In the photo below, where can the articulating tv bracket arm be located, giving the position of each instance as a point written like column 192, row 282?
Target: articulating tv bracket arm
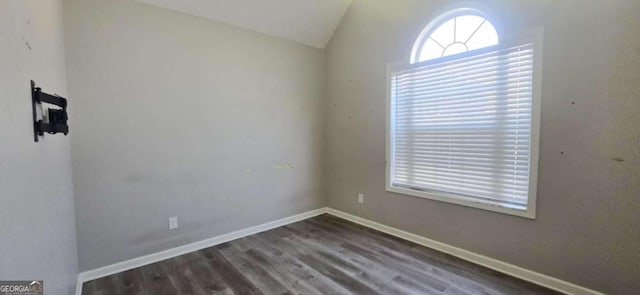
column 55, row 120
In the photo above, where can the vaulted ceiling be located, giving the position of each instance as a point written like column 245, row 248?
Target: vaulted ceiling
column 310, row 22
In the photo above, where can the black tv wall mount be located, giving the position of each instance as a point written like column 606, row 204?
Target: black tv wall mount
column 52, row 121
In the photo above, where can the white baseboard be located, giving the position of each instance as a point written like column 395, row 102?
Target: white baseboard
column 506, row 268
column 503, row 267
column 173, row 252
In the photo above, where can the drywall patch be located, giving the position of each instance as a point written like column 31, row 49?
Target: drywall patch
column 283, row 166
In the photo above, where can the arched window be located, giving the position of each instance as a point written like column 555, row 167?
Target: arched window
column 454, row 32
column 463, row 115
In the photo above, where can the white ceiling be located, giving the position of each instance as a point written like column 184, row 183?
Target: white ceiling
column 311, row 22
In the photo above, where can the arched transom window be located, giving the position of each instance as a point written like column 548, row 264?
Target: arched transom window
column 454, row 32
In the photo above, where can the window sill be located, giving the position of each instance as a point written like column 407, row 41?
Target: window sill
column 464, row 201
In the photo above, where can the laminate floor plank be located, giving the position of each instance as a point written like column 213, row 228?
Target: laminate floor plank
column 366, row 249
column 375, row 277
column 437, row 276
column 332, row 258
column 88, row 287
column 290, row 258
column 293, row 283
column 156, row 280
column 209, row 279
column 181, row 277
column 459, row 272
column 238, row 282
column 337, row 276
column 132, row 282
column 333, row 245
column 320, row 255
column 254, row 273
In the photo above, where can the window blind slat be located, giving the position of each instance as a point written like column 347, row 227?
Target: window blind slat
column 462, row 172
column 503, row 94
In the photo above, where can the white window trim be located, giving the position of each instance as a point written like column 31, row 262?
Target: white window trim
column 441, row 19
column 530, row 212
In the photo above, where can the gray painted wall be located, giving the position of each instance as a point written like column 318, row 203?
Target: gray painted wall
column 180, row 116
column 37, row 230
column 586, row 230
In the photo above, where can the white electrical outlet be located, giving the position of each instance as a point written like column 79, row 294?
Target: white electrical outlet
column 173, row 222
column 361, row 198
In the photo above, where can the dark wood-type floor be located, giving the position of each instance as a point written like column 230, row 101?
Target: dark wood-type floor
column 321, row 255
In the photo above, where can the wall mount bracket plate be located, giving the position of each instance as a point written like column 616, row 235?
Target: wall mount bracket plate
column 55, row 120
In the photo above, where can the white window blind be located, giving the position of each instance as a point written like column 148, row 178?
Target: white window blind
column 462, row 127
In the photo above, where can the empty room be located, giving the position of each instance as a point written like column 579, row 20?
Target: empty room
column 234, row 147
